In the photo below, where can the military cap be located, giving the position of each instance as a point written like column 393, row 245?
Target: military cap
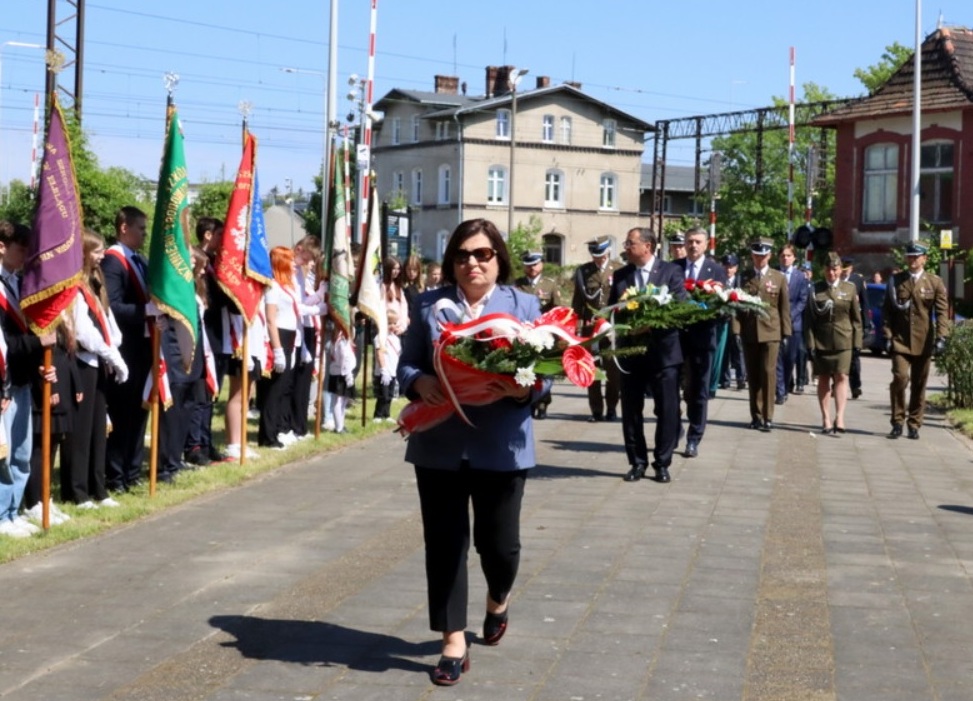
column 677, row 239
column 599, row 246
column 730, row 259
column 835, row 261
column 806, row 265
column 847, row 261
column 916, row 249
column 762, row 246
column 531, row 258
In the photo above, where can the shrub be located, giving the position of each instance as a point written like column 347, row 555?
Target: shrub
column 957, row 363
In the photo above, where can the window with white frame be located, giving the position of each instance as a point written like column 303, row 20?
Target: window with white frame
column 936, row 182
column 445, row 182
column 547, row 129
column 608, row 127
column 566, row 131
column 398, row 183
column 417, row 186
column 442, row 131
column 496, row 185
column 415, row 128
column 553, row 188
column 607, row 188
column 503, row 124
column 881, row 184
column 396, row 131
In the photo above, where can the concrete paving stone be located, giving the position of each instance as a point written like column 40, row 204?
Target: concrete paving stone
column 714, row 557
column 715, row 583
column 597, row 642
column 880, row 681
column 647, row 623
column 688, row 674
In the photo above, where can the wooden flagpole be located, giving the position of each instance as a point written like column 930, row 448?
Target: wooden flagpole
column 245, row 397
column 45, row 442
column 154, row 404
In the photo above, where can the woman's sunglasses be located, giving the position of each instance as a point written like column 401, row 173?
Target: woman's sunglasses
column 482, row 255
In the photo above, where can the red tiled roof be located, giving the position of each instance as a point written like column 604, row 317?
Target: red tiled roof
column 947, row 81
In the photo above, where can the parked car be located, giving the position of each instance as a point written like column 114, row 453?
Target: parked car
column 874, row 342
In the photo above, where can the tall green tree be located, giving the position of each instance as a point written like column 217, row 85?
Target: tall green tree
column 749, row 206
column 213, row 200
column 18, row 206
column 877, row 75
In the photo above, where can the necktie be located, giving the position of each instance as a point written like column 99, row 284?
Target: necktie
column 692, row 271
column 640, row 277
column 140, row 264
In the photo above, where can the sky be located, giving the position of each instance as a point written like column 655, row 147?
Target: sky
column 651, row 59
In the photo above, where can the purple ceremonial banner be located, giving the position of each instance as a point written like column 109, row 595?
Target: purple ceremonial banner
column 52, row 272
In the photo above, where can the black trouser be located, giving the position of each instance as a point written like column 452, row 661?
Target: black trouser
column 698, row 352
column 383, row 397
column 664, row 386
column 201, row 427
column 174, row 427
column 444, row 497
column 126, row 442
column 274, row 396
column 32, row 492
column 303, row 375
column 83, row 464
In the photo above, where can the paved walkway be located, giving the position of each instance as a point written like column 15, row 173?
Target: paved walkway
column 774, row 567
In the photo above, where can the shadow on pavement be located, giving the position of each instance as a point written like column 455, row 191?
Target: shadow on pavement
column 322, row 644
column 560, row 471
column 968, row 510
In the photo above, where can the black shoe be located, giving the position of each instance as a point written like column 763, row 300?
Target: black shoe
column 780, row 400
column 896, row 431
column 742, row 385
column 611, row 416
column 197, row 457
column 217, row 455
column 450, row 669
column 594, row 419
column 725, row 385
column 635, row 474
column 540, row 413
column 755, row 424
column 799, row 389
column 766, row 426
column 661, row 473
column 856, row 393
column 494, row 626
column 692, row 449
column 913, row 433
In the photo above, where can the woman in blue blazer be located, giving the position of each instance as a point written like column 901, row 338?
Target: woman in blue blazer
column 456, row 464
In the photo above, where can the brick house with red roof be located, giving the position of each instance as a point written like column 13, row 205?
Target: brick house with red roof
column 873, row 159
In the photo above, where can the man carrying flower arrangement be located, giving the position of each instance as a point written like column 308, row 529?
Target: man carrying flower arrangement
column 762, row 333
column 655, row 368
column 698, row 340
column 545, row 288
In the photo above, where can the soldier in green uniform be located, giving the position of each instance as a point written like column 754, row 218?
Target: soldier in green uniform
column 761, row 336
column 592, row 283
column 915, row 325
column 832, row 334
column 536, row 283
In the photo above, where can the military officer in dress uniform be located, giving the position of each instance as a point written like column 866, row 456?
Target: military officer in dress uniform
column 592, row 283
column 677, row 246
column 762, row 336
column 915, row 325
column 536, row 283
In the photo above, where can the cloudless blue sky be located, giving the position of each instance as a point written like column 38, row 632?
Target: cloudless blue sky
column 654, row 60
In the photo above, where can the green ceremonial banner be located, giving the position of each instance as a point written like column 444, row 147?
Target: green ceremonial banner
column 338, row 246
column 170, row 276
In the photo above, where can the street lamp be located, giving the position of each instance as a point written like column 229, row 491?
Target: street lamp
column 513, row 78
column 18, row 44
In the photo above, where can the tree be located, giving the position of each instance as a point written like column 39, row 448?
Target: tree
column 892, row 59
column 749, row 207
column 103, row 191
column 213, row 199
column 524, row 238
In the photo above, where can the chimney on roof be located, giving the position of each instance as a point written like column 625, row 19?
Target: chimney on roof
column 543, row 81
column 447, row 84
column 463, row 87
column 491, row 80
column 573, row 83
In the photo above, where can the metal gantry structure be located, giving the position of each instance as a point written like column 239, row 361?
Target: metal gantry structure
column 701, row 127
column 65, row 36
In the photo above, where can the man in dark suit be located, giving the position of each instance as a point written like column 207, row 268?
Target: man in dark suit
column 797, row 291
column 762, row 335
column 125, row 272
column 848, row 274
column 699, row 340
column 733, row 357
column 657, row 368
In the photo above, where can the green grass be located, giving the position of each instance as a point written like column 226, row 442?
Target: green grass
column 189, row 485
column 960, row 419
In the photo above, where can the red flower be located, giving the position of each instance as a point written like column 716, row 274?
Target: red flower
column 690, row 285
column 734, row 297
column 500, row 343
column 560, row 316
column 579, row 366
